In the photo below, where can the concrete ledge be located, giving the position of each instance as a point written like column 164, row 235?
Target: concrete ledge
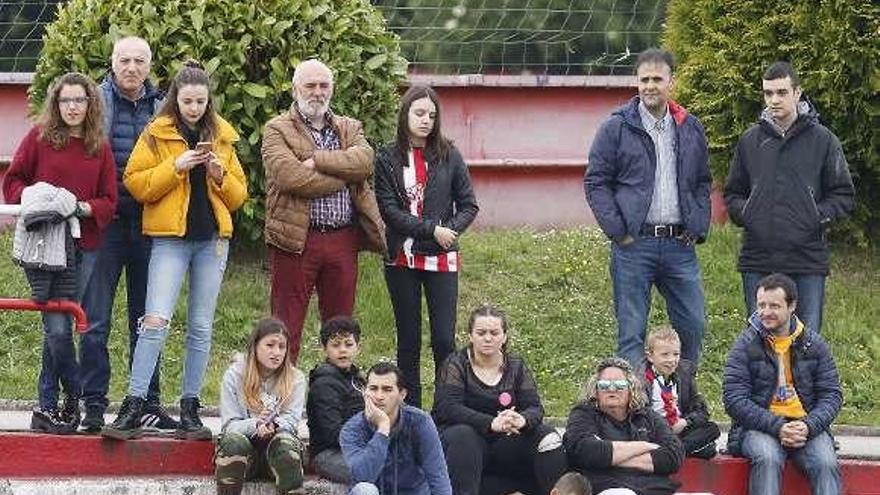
column 196, row 485
column 521, row 81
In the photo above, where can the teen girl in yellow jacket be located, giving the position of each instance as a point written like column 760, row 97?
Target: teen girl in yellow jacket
column 184, row 171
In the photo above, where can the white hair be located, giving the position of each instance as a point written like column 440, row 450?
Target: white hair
column 135, row 40
column 307, row 64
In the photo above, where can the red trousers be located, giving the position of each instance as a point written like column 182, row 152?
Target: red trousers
column 328, row 264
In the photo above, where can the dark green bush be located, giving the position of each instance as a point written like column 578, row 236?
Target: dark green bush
column 250, row 49
column 723, row 47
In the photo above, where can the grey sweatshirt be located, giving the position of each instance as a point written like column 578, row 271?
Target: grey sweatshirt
column 44, row 248
column 234, row 413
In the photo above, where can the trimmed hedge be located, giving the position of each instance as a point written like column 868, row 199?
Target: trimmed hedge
column 250, row 50
column 723, row 46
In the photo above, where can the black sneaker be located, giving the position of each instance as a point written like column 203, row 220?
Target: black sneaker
column 49, row 421
column 93, row 420
column 191, row 427
column 155, row 417
column 70, row 412
column 126, row 426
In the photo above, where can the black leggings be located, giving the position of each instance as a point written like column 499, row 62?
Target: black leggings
column 441, row 293
column 494, row 464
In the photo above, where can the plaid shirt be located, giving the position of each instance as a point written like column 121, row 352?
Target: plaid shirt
column 335, row 209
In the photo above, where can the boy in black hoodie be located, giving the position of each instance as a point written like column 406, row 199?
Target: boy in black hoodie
column 671, row 386
column 335, row 395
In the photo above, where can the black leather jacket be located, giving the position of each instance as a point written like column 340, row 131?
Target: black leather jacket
column 449, row 201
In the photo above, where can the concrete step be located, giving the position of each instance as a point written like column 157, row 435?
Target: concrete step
column 170, row 485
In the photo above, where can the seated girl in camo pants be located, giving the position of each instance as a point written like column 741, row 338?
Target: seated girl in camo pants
column 261, row 401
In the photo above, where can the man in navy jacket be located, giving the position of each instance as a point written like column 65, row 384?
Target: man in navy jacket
column 648, row 185
column 130, row 101
column 782, row 391
column 392, row 448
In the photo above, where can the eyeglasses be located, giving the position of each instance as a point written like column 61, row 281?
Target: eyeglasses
column 612, row 385
column 76, row 100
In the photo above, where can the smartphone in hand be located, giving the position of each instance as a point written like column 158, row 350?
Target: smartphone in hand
column 204, row 146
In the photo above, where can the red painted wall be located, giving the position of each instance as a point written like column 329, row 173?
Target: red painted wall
column 525, row 139
column 14, row 123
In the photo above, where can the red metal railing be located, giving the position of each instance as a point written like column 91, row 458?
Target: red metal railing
column 75, row 310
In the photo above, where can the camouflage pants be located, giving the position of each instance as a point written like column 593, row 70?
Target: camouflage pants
column 239, row 458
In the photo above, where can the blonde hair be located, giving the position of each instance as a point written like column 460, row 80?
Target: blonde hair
column 637, row 399
column 662, row 333
column 284, row 376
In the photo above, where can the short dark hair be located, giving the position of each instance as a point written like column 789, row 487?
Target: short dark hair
column 573, row 483
column 780, row 70
column 780, row 281
column 655, row 56
column 384, row 368
column 339, row 326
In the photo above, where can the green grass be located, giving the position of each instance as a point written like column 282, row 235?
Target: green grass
column 554, row 287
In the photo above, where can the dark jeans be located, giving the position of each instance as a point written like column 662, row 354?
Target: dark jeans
column 672, row 266
column 59, row 357
column 124, row 247
column 328, row 264
column 811, row 296
column 441, row 293
column 494, row 464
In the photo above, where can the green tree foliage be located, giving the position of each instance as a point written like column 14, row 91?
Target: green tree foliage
column 723, row 47
column 250, row 50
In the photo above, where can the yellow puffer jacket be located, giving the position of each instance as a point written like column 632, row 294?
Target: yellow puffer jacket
column 151, row 178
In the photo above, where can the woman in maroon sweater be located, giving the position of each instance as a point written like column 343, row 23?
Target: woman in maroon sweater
column 67, row 149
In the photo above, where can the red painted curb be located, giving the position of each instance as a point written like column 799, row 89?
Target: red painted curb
column 30, row 455
column 729, row 476
column 36, row 455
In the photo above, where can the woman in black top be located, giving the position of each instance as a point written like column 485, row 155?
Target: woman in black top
column 487, row 407
column 426, row 200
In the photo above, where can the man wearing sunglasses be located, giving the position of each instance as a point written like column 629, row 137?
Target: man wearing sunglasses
column 617, row 441
column 782, row 391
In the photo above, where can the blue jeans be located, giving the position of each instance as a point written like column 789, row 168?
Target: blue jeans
column 59, row 357
column 816, row 459
column 171, row 259
column 124, row 247
column 672, row 266
column 811, row 296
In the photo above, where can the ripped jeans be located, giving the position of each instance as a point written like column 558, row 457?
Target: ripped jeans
column 171, row 260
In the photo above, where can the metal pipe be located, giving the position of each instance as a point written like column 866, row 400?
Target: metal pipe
column 70, row 307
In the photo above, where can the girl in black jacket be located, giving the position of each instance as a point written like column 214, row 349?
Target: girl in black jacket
column 426, row 200
column 487, row 407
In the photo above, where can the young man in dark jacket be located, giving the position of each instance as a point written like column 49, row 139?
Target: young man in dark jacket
column 671, row 388
column 787, row 182
column 393, row 448
column 648, row 185
column 335, row 395
column 782, row 391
